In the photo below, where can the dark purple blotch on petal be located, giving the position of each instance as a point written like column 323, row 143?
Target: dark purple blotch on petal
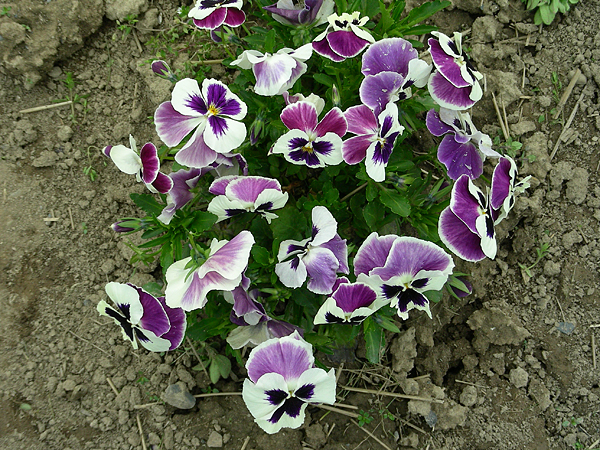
column 123, row 321
column 291, row 407
column 196, row 103
column 410, row 296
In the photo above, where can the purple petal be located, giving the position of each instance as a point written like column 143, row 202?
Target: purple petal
column 273, row 74
column 350, row 297
column 150, row 163
column 287, row 356
column 447, row 95
column 378, row 90
column 361, row 120
column 388, row 55
column 502, row 181
column 300, row 116
column 247, row 308
column 466, row 202
column 172, row 126
column 231, row 259
column 354, row 149
column 279, row 328
column 162, row 183
column 458, row 238
column 435, row 125
column 410, row 255
column 333, row 122
column 321, row 266
column 219, row 97
column 447, row 65
column 213, row 20
column 196, row 153
column 194, row 296
column 247, row 189
column 346, row 43
column 155, row 318
column 106, row 150
column 183, row 181
column 339, row 248
column 292, row 15
column 460, row 159
column 178, row 321
column 373, row 253
column 235, row 17
column 219, row 186
column 323, row 48
column 409, row 299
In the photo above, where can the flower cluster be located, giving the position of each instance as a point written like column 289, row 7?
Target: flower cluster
column 261, row 250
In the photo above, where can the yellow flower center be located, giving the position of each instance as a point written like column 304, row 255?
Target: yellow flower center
column 213, row 110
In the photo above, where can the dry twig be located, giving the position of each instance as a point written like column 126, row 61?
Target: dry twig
column 568, row 124
column 112, row 386
column 45, row 107
column 371, row 435
column 566, row 94
column 500, row 120
column 139, row 423
column 245, row 444
column 391, row 394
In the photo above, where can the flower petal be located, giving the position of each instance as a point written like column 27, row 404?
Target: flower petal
column 178, row 321
column 435, row 125
column 273, row 74
column 354, row 149
column 187, row 98
column 460, row 159
column 377, row 91
column 154, row 318
column 151, row 341
column 391, row 55
column 447, row 64
column 247, row 189
column 214, row 20
column 449, row 96
column 324, row 225
column 162, row 183
column 322, row 47
column 223, row 134
column 235, row 17
column 172, row 126
column 230, row 259
column 346, row 43
column 126, row 159
column 127, row 300
column 459, row 239
column 361, row 120
column 195, row 153
column 373, row 253
column 291, row 273
column 150, row 162
column 321, row 267
column 300, row 116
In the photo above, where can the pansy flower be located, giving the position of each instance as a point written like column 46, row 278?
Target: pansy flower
column 374, row 140
column 463, row 148
column 276, row 73
column 254, row 325
column 143, row 317
column 222, row 270
column 283, row 380
column 307, row 12
column 214, row 113
column 237, row 195
column 391, row 67
column 319, row 257
column 455, row 84
column 145, row 165
column 402, row 269
column 349, row 303
column 211, row 14
column 344, row 37
column 466, row 227
column 505, row 187
column 312, row 98
column 310, row 142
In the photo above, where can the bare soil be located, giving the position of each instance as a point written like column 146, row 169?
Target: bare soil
column 513, row 363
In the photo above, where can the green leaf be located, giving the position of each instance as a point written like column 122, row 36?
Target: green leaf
column 374, row 340
column 270, row 41
column 153, row 288
column 291, row 224
column 147, row 203
column 423, row 12
column 323, row 79
column 372, row 190
column 373, row 214
column 261, row 255
column 223, row 364
column 434, row 296
column 546, row 14
column 202, row 221
column 214, row 371
column 387, row 323
column 396, row 202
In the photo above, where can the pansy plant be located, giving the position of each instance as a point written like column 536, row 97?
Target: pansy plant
column 277, row 73
column 222, row 270
column 349, row 303
column 402, row 269
column 213, row 113
column 505, row 187
column 306, row 12
column 237, row 195
column 283, row 380
column 455, row 84
column 144, row 318
column 310, row 142
column 211, row 14
column 463, row 148
column 145, row 165
column 344, row 37
column 374, row 140
column 317, row 258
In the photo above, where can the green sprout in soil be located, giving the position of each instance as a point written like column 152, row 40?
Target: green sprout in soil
column 547, row 9
column 541, row 251
column 74, row 97
column 5, row 11
column 127, row 25
column 510, row 147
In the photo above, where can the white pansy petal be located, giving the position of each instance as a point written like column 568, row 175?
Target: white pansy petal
column 324, row 225
column 126, row 159
column 292, row 273
column 187, row 99
column 127, row 297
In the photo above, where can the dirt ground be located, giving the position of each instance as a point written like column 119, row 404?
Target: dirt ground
column 513, row 365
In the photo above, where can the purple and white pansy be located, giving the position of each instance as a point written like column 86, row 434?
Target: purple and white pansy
column 310, row 142
column 455, row 84
column 317, row 258
column 275, row 73
column 145, row 165
column 211, row 14
column 254, row 325
column 307, row 12
column 401, row 270
column 463, row 148
column 349, row 303
column 374, row 140
column 237, row 195
column 222, row 270
column 283, row 380
column 466, row 227
column 214, row 113
column 505, row 187
column 344, row 37
column 312, row 98
column 144, row 318
column 391, row 67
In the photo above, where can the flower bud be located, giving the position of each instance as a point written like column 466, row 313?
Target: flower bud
column 162, row 69
column 257, row 128
column 335, row 96
column 126, row 226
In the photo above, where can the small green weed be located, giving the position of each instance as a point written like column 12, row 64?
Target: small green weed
column 127, row 25
column 541, row 251
column 364, row 417
column 556, row 91
column 547, row 9
column 510, row 147
column 73, row 97
column 5, row 11
column 141, row 379
column 84, row 227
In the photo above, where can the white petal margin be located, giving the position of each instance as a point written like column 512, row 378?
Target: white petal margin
column 325, row 224
column 101, row 308
column 183, row 91
column 331, row 307
column 324, row 383
column 258, row 403
column 155, row 343
column 232, row 137
column 272, row 74
column 220, row 204
column 126, row 160
column 290, row 277
column 123, row 294
column 178, row 282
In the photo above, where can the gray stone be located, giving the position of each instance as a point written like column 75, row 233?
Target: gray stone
column 468, row 397
column 519, row 377
column 178, row 396
column 46, row 159
column 215, row 440
column 523, row 127
column 120, row 9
